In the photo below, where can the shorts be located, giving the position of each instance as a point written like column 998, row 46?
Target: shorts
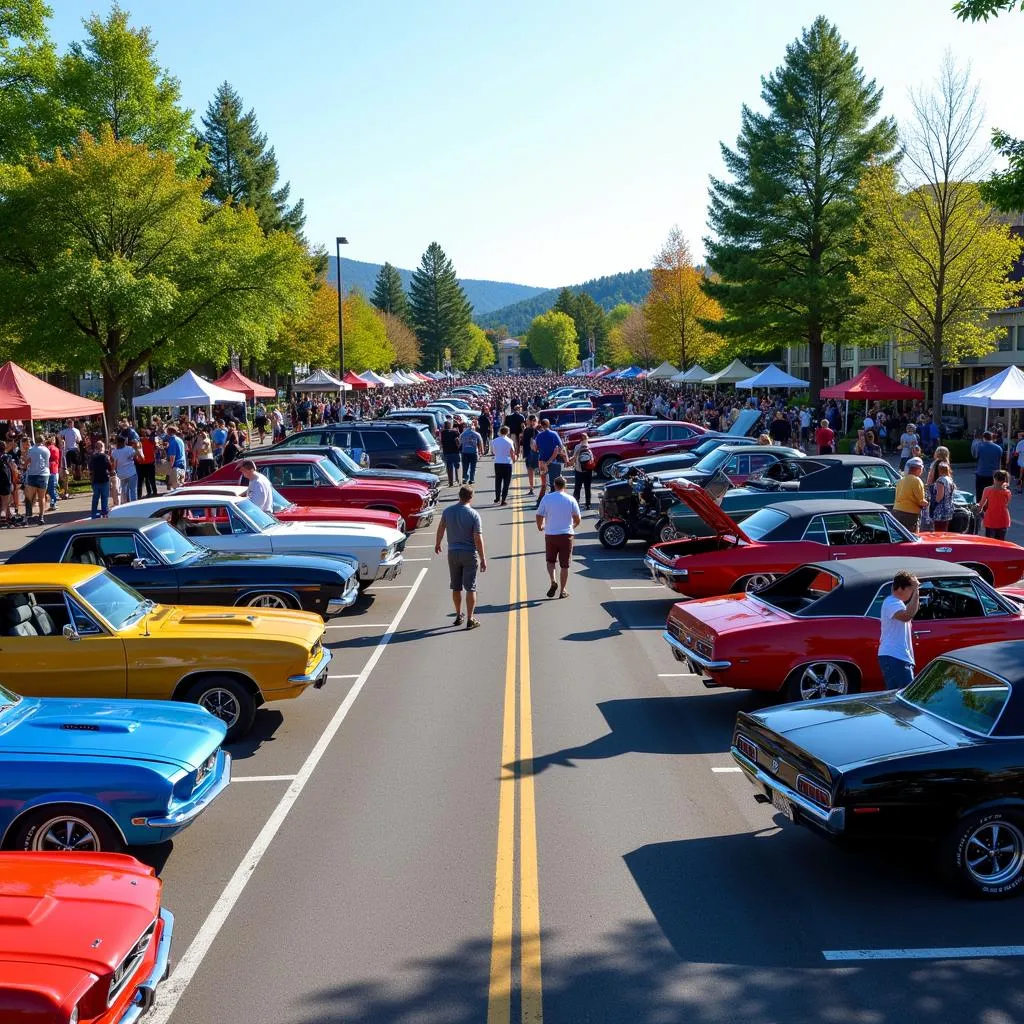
column 558, row 547
column 532, row 460
column 37, row 480
column 463, row 567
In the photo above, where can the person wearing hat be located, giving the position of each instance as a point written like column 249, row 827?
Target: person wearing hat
column 910, row 496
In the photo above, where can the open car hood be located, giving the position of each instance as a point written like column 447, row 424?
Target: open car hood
column 703, row 504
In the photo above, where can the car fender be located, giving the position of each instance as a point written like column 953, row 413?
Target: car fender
column 1002, row 803
column 66, row 797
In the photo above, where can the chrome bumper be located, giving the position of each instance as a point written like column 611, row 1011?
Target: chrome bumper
column 390, row 569
column 425, row 516
column 145, row 995
column 661, row 573
column 349, row 596
column 833, row 821
column 693, row 657
column 317, row 672
column 191, row 810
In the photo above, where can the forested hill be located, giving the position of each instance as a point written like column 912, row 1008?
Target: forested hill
column 630, row 286
column 484, row 296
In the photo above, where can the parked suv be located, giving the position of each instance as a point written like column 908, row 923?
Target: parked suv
column 388, row 444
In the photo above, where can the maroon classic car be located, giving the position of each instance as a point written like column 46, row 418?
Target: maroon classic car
column 645, row 439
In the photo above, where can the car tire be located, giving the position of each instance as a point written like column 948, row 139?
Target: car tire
column 666, row 531
column 983, row 855
column 228, row 699
column 604, row 467
column 613, row 536
column 753, row 583
column 834, row 679
column 67, row 827
column 268, row 599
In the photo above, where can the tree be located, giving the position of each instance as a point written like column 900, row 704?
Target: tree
column 935, row 258
column 677, row 307
column 242, row 169
column 637, row 339
column 588, row 317
column 476, row 353
column 389, row 293
column 308, row 337
column 552, row 341
column 982, row 10
column 109, row 256
column 403, row 340
column 366, row 338
column 785, row 224
column 439, row 308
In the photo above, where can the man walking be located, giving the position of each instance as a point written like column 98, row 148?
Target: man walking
column 895, row 646
column 450, row 451
column 558, row 515
column 989, row 458
column 175, row 459
column 515, row 421
column 504, row 451
column 472, row 447
column 548, row 446
column 466, row 552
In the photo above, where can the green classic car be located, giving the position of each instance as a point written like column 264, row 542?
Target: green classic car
column 853, row 477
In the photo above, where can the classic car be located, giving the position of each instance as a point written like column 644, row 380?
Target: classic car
column 939, row 761
column 95, row 775
column 644, row 439
column 235, row 524
column 653, row 465
column 779, row 538
column 731, row 466
column 161, row 564
column 77, row 631
column 819, row 476
column 82, row 939
column 612, row 427
column 315, row 480
column 814, row 632
column 307, row 445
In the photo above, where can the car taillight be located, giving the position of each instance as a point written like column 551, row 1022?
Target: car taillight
column 424, row 454
column 747, row 748
column 813, row 791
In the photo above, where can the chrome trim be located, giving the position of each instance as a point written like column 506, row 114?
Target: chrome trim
column 115, row 991
column 316, row 671
column 145, row 994
column 833, row 821
column 697, row 659
column 338, row 604
column 653, row 564
column 389, row 569
column 191, row 810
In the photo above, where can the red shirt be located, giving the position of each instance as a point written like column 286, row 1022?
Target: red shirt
column 997, row 508
column 148, row 456
column 54, row 459
column 824, row 436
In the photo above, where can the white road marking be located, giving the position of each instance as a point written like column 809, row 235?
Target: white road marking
column 262, row 778
column 408, row 546
column 936, row 953
column 175, row 986
column 357, row 625
column 418, row 559
column 674, row 675
column 646, row 586
column 336, row 675
column 728, row 768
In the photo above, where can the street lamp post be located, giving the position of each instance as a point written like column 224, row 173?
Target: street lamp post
column 338, row 243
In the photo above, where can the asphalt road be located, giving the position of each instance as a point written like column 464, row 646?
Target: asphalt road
column 525, row 822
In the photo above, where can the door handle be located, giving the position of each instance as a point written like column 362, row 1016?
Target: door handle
column 922, row 632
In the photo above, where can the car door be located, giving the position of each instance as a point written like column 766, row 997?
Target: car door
column 381, row 448
column 296, row 481
column 856, row 535
column 873, row 483
column 954, row 613
column 671, row 436
column 121, row 553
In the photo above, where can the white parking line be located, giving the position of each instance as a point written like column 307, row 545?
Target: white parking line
column 335, row 675
column 935, row 953
column 646, row 586
column 419, row 559
column 185, row 971
column 356, row 625
column 408, row 546
column 720, row 770
column 673, row 675
column 262, row 778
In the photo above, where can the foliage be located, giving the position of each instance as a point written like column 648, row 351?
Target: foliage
column 109, row 256
column 476, row 352
column 389, row 294
column 242, row 170
column 588, row 318
column 785, row 223
column 982, row 10
column 551, row 340
column 403, row 341
column 616, row 352
column 308, row 336
column 438, row 306
column 366, row 338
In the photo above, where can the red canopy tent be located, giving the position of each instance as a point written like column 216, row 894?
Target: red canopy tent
column 26, row 397
column 233, row 380
column 871, row 384
column 356, row 382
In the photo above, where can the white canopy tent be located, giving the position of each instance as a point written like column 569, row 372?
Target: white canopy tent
column 372, row 378
column 321, row 380
column 189, row 390
column 696, row 374
column 773, row 377
column 664, row 372
column 1003, row 391
column 732, row 374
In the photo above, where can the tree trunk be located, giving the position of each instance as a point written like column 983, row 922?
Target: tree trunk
column 936, row 389
column 815, row 354
column 112, row 385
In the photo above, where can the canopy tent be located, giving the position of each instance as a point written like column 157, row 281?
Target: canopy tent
column 188, row 390
column 233, row 380
column 732, row 374
column 321, row 380
column 664, row 372
column 402, row 379
column 598, row 371
column 772, row 377
column 26, row 397
column 371, row 378
column 869, row 385
column 356, row 382
column 605, row 371
column 1003, row 391
column 694, row 375
column 421, row 376
column 630, row 373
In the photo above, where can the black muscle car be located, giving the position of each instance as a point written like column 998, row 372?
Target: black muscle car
column 168, row 568
column 940, row 761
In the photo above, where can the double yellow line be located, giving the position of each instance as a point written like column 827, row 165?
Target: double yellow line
column 517, row 729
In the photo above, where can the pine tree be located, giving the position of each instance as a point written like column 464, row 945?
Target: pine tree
column 439, row 307
column 389, row 294
column 242, row 168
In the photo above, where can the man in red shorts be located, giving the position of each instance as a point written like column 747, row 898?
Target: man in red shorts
column 558, row 515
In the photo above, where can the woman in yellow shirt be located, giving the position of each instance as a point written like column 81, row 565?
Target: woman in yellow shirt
column 910, row 496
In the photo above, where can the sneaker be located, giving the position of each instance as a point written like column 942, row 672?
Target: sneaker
column 552, row 590
column 564, row 593
column 472, row 624
column 41, row 521
column 459, row 619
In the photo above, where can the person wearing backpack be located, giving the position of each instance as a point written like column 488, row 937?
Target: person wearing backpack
column 583, row 471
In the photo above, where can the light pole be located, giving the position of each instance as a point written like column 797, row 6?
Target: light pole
column 338, row 243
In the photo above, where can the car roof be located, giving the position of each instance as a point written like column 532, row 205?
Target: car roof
column 850, row 460
column 36, row 574
column 183, row 496
column 819, row 506
column 881, row 568
column 283, row 452
column 1005, row 658
column 118, row 525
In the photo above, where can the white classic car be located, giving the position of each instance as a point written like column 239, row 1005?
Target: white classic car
column 227, row 523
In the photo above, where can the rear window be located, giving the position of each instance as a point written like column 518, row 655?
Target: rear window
column 960, row 694
column 425, row 439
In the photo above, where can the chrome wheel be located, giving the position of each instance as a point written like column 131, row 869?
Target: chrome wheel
column 613, row 536
column 222, row 703
column 758, row 582
column 667, row 532
column 66, row 833
column 823, row 679
column 267, row 601
column 994, row 852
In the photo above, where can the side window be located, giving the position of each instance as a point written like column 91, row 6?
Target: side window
column 119, row 549
column 949, row 599
column 861, row 479
column 864, row 528
column 377, row 441
column 759, row 461
column 77, row 616
column 989, row 604
column 235, row 525
column 875, row 608
column 83, row 550
column 837, row 527
column 275, row 474
column 878, row 476
column 736, row 466
column 816, row 531
column 657, row 434
column 679, row 431
column 299, row 475
column 41, row 613
column 340, row 438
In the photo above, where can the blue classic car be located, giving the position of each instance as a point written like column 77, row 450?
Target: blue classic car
column 98, row 775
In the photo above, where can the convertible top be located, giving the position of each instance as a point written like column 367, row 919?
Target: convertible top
column 1004, row 659
column 804, row 509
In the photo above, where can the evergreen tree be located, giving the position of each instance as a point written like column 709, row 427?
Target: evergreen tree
column 242, row 168
column 587, row 316
column 785, row 224
column 389, row 295
column 439, row 307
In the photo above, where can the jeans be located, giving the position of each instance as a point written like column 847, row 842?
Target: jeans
column 129, row 488
column 554, row 472
column 469, row 467
column 51, row 489
column 896, row 672
column 451, row 463
column 581, row 482
column 101, row 497
column 997, row 532
column 502, row 478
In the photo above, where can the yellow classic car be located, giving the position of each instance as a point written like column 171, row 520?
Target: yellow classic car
column 77, row 631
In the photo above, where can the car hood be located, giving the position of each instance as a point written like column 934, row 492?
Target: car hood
column 383, row 489
column 701, row 503
column 427, row 480
column 649, row 463
column 217, row 622
column 166, row 732
column 341, row 514
column 314, row 533
column 256, row 565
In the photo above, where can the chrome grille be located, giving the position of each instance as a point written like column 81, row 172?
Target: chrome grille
column 125, row 970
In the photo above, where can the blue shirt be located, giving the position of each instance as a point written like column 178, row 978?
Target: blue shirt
column 176, row 451
column 989, row 456
column 547, row 442
column 218, row 437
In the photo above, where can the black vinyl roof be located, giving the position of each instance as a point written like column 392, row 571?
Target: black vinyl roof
column 820, row 506
column 879, row 569
column 1005, row 658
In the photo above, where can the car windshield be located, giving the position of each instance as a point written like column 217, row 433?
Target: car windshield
column 113, row 600
column 763, row 522
column 707, row 446
column 711, row 462
column 348, row 464
column 960, row 694
column 633, row 432
column 332, row 471
column 611, row 425
column 172, row 546
column 279, row 501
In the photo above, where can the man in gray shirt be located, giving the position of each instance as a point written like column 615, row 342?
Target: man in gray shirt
column 465, row 552
column 990, row 458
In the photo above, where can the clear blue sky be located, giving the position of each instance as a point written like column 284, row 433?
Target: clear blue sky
column 541, row 141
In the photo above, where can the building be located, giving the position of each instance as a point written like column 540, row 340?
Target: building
column 508, row 354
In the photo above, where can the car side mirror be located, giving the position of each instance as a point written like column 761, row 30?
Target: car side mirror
column 139, row 563
column 70, row 633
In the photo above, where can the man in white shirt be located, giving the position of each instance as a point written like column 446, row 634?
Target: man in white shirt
column 72, row 439
column 503, row 449
column 895, row 647
column 261, row 494
column 558, row 515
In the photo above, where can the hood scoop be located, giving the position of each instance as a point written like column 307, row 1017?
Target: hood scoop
column 24, row 910
column 119, row 726
column 233, row 617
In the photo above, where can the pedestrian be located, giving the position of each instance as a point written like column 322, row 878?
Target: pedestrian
column 940, row 509
column 558, row 515
column 205, row 462
column 582, row 462
column 871, row 446
column 515, row 421
column 484, row 426
column 530, row 456
column 503, row 448
column 471, row 447
column 145, row 463
column 260, row 492
column 780, row 430
column 175, row 460
column 824, row 438
column 37, row 478
column 995, row 505
column 466, row 555
column 51, row 484
column 99, row 474
column 548, row 446
column 72, row 456
column 989, row 457
column 907, row 442
column 450, row 450
column 895, row 647
column 125, row 470
column 910, row 496
column 1018, row 452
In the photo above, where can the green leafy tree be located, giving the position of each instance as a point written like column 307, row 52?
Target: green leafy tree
column 785, row 224
column 109, row 257
column 389, row 294
column 982, row 10
column 477, row 352
column 439, row 308
column 587, row 316
column 403, row 340
column 551, row 340
column 367, row 346
column 242, row 169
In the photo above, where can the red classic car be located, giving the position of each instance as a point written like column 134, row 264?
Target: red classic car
column 780, row 537
column 612, row 427
column 814, row 632
column 645, row 439
column 315, row 480
column 82, row 938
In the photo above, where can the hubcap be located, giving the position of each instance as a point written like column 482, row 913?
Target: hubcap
column 823, row 679
column 267, row 601
column 668, row 532
column 758, row 582
column 66, row 834
column 615, row 535
column 995, row 852
column 223, row 704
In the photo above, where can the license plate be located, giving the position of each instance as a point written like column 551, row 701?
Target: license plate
column 782, row 805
